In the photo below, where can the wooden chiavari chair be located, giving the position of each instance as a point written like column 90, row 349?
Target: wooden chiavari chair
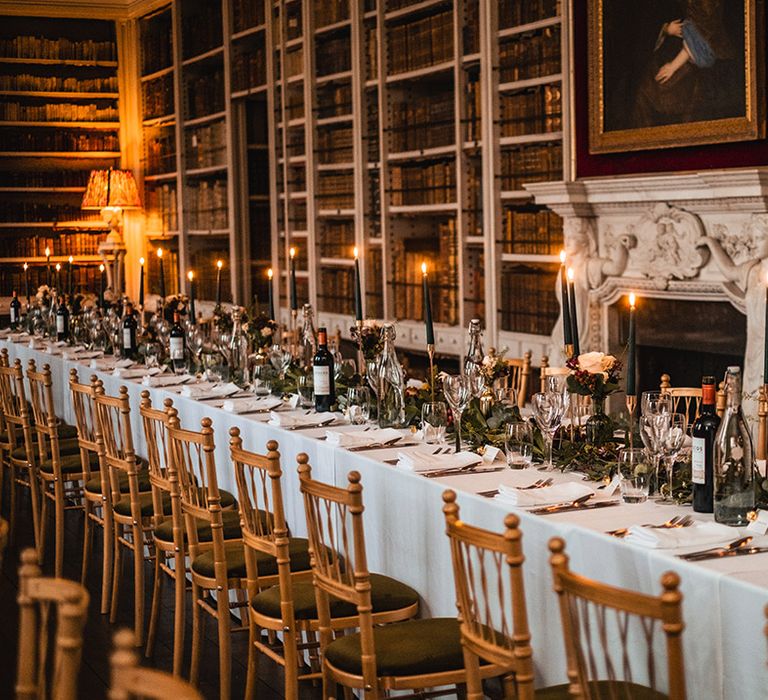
column 132, row 511
column 129, row 681
column 41, row 599
column 490, row 596
column 217, row 566
column 410, row 655
column 21, row 457
column 599, row 620
column 520, row 376
column 4, row 528
column 685, row 400
column 62, row 475
column 273, row 557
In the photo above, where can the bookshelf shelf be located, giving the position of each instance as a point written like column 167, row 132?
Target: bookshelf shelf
column 515, row 257
column 328, row 28
column 248, row 92
column 421, row 209
column 63, row 94
column 444, row 67
column 249, row 32
column 165, row 120
column 530, row 82
column 423, row 153
column 57, row 62
column 212, row 53
column 209, row 232
column 529, row 27
column 203, row 172
column 196, row 121
column 329, row 121
column 413, row 9
column 334, row 77
column 90, row 155
column 531, row 138
column 107, row 126
column 156, row 74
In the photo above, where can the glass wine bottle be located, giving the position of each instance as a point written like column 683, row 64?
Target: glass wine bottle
column 15, row 311
column 391, row 384
column 475, row 354
column 323, row 373
column 177, row 345
column 734, row 475
column 129, row 348
column 238, row 349
column 704, row 431
column 308, row 340
column 62, row 320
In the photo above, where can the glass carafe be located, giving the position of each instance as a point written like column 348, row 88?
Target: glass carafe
column 391, row 384
column 238, row 350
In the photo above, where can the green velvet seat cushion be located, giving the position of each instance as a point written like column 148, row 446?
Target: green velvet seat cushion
column 231, row 519
column 66, row 447
column 70, row 464
column 386, row 594
column 67, row 432
column 404, row 648
column 603, row 690
column 298, row 549
column 123, row 506
column 94, row 485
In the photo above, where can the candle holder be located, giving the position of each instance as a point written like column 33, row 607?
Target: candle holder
column 294, row 331
column 631, row 406
column 568, row 350
column 431, row 355
column 360, row 357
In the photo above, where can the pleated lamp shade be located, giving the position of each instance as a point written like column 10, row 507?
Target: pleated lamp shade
column 111, row 188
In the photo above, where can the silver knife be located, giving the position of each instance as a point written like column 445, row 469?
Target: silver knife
column 564, row 509
column 720, row 554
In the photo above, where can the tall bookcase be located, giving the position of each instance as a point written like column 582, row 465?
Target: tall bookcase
column 58, row 121
column 405, row 129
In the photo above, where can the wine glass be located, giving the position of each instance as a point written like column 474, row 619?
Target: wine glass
column 634, row 474
column 358, row 405
column 519, row 443
column 434, row 421
column 671, row 441
column 458, row 392
column 655, row 402
column 548, row 410
column 476, row 381
column 280, row 357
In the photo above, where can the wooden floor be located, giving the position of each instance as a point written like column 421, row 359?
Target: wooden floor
column 94, row 675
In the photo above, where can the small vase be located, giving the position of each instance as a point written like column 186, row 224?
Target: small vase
column 486, row 402
column 599, row 427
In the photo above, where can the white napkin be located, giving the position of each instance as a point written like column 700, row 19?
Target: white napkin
column 52, row 349
column 360, row 438
column 249, row 405
column 547, row 496
column 421, row 460
column 698, row 535
column 135, row 372
column 166, row 380
column 108, row 363
column 19, row 337
column 81, row 354
column 206, row 389
column 292, row 419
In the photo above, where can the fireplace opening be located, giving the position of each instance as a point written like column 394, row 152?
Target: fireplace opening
column 685, row 339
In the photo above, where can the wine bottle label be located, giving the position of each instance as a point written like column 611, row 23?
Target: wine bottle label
column 60, row 324
column 13, row 315
column 322, row 377
column 698, row 460
column 127, row 339
column 177, row 348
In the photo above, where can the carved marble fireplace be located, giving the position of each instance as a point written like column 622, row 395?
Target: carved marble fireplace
column 696, row 237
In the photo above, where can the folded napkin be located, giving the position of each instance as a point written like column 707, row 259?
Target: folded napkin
column 547, row 496
column 5, row 332
column 166, row 379
column 697, row 535
column 209, row 390
column 52, row 349
column 293, row 419
column 420, row 460
column 359, row 438
column 80, row 353
column 109, row 363
column 135, row 372
column 19, row 337
column 252, row 405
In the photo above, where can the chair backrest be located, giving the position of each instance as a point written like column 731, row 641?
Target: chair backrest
column 3, row 538
column 129, row 680
column 15, row 409
column 191, row 455
column 685, row 399
column 605, row 629
column 43, row 411
column 41, row 656
column 519, row 376
column 490, row 594
column 262, row 516
column 337, row 553
column 85, row 412
column 114, row 439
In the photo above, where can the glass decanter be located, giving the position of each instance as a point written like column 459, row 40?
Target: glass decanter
column 391, row 385
column 307, row 338
column 238, row 349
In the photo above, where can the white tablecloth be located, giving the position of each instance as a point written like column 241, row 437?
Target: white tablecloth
column 725, row 648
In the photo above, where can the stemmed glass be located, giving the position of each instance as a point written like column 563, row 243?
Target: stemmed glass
column 458, row 392
column 280, row 357
column 671, row 441
column 549, row 410
column 358, row 405
column 655, row 402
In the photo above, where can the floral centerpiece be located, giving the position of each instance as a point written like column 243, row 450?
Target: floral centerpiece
column 43, row 296
column 596, row 375
column 494, row 366
column 368, row 338
column 173, row 303
column 261, row 331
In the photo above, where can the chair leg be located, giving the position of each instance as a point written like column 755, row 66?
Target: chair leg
column 59, row 529
column 474, row 684
column 157, row 585
column 118, row 558
column 108, row 552
column 87, row 538
column 138, row 584
column 179, row 612
column 194, row 667
column 12, row 486
column 225, row 645
column 43, row 524
column 290, row 653
column 34, row 497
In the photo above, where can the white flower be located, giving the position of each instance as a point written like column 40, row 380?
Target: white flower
column 266, row 331
column 596, row 362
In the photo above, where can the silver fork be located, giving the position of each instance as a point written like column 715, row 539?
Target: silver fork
column 677, row 521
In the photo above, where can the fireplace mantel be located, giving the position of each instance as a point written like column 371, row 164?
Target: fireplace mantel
column 699, row 236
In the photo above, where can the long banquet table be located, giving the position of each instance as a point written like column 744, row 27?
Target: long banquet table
column 724, row 642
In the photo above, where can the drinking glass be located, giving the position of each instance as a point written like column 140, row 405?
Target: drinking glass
column 476, row 381
column 305, row 385
column 635, row 470
column 548, row 410
column 358, row 405
column 655, row 402
column 458, row 392
column 672, row 439
column 280, row 357
column 434, row 421
column 261, row 380
column 346, row 368
column 519, row 441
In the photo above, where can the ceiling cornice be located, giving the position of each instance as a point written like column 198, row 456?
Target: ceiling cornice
column 96, row 9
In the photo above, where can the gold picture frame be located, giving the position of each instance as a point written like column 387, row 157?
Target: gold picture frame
column 633, row 118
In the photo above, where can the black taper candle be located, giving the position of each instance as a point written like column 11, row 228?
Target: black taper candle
column 271, row 295
column 358, row 295
column 427, row 306
column 574, row 317
column 631, row 356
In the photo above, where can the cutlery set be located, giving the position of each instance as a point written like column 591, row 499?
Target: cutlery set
column 578, row 504
column 677, row 521
column 538, row 484
column 737, row 548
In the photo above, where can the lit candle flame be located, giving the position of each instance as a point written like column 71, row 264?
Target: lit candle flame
column 219, row 264
column 631, row 300
column 159, row 252
column 25, row 267
column 292, row 252
column 141, row 262
column 71, row 260
column 424, row 269
column 101, row 268
column 47, row 252
column 570, row 274
column 354, row 252
column 190, row 275
column 58, row 267
column 270, row 273
column 562, row 256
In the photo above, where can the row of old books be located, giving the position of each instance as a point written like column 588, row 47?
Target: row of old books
column 208, row 204
column 293, row 64
column 530, row 163
column 513, row 13
column 474, row 108
column 161, row 208
column 157, row 97
column 160, row 150
column 334, row 100
column 249, row 67
column 57, row 83
column 201, row 28
column 63, row 244
column 423, row 183
column 336, row 291
column 335, row 190
column 420, row 43
column 85, row 279
column 334, row 144
column 531, row 55
column 205, row 93
column 333, row 55
column 424, row 123
column 532, row 111
column 59, row 49
column 336, row 239
column 43, row 211
column 43, row 178
column 57, row 112
column 374, row 297
column 156, row 42
column 528, row 301
column 246, row 14
column 532, row 231
column 206, row 145
column 60, row 139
